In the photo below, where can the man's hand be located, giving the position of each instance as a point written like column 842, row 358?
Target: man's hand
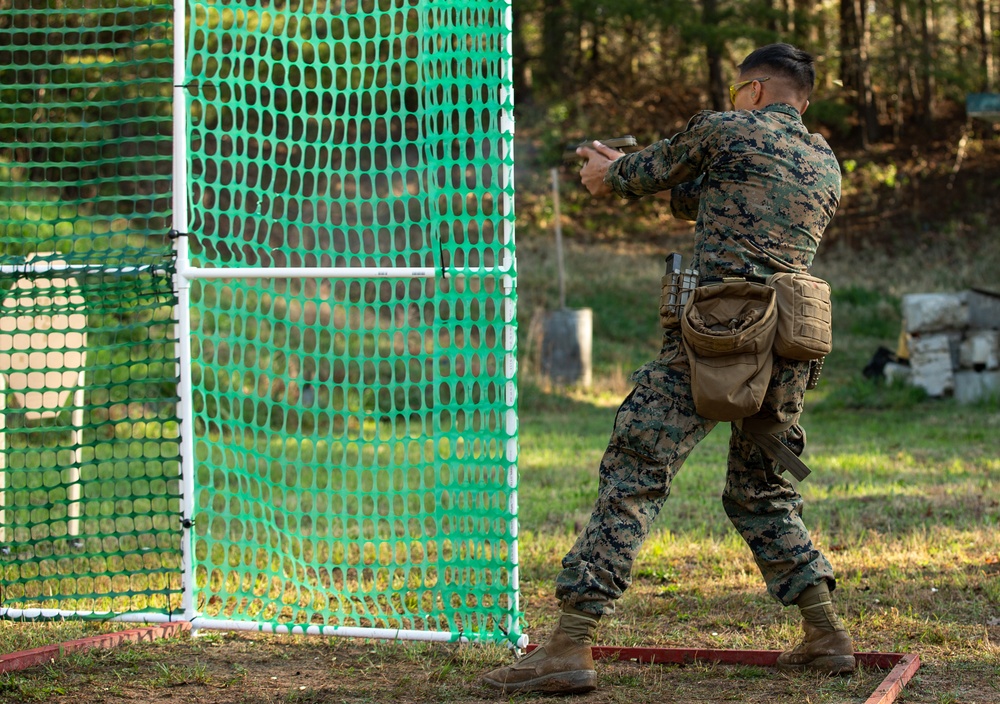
column 599, row 158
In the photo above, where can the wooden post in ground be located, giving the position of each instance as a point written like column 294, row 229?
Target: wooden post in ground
column 567, row 334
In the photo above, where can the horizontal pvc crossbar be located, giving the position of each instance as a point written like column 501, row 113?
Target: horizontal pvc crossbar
column 43, row 267
column 198, row 624
column 50, row 614
column 307, row 272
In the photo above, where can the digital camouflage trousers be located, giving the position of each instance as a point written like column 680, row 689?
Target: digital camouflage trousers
column 655, row 430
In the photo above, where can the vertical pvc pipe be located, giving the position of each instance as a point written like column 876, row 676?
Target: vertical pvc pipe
column 509, row 268
column 3, row 465
column 74, row 486
column 182, row 311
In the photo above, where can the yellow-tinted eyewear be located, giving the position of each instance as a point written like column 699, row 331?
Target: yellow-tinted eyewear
column 735, row 88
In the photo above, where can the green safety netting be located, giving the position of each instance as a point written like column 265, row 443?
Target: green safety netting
column 89, row 489
column 354, row 437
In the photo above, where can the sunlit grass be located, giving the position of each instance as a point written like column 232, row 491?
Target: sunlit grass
column 904, row 499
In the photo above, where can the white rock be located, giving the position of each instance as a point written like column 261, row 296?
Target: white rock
column 980, row 350
column 931, row 364
column 933, row 312
column 984, row 309
column 972, row 386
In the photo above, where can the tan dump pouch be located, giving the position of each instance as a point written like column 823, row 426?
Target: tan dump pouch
column 728, row 331
column 805, row 316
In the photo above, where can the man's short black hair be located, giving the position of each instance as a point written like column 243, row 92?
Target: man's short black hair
column 784, row 60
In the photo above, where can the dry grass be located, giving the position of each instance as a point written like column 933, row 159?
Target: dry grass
column 904, row 499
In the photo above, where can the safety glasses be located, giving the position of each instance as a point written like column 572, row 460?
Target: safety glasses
column 735, row 88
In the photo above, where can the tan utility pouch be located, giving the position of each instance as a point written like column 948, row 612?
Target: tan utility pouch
column 728, row 330
column 805, row 316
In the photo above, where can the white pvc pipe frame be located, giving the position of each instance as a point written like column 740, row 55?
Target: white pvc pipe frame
column 207, row 624
column 185, row 273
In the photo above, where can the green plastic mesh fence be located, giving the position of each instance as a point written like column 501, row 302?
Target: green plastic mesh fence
column 354, row 437
column 89, row 490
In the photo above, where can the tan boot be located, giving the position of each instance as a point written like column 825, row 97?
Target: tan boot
column 828, row 652
column 560, row 666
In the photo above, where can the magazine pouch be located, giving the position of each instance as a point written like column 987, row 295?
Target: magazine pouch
column 805, row 320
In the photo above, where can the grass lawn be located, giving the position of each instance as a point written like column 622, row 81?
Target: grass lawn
column 904, row 499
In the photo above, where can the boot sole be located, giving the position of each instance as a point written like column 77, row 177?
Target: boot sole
column 573, row 682
column 826, row 664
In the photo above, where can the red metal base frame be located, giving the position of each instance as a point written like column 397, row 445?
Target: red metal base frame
column 901, row 666
column 49, row 653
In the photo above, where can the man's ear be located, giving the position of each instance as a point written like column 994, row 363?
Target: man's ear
column 804, row 107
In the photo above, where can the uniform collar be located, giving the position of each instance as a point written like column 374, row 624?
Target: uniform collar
column 783, row 108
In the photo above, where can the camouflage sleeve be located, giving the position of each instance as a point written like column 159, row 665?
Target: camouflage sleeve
column 685, row 199
column 669, row 162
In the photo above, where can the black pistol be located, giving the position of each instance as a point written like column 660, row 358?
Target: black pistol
column 626, row 144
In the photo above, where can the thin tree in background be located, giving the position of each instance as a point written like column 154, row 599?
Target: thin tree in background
column 900, row 68
column 855, row 42
column 804, row 30
column 552, row 68
column 984, row 12
column 927, row 53
column 713, row 54
column 522, row 84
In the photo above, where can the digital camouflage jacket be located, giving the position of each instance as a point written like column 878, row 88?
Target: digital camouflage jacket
column 759, row 185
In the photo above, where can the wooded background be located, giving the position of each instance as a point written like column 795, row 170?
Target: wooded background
column 883, row 66
column 88, row 83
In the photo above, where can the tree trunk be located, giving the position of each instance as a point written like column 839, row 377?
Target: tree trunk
column 927, row 62
column 855, row 38
column 770, row 13
column 963, row 42
column 824, row 32
column 551, row 70
column 900, row 49
column 522, row 84
column 717, row 88
column 984, row 11
column 788, row 16
column 867, row 91
column 805, row 31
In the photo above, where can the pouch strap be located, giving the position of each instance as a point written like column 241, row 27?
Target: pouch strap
column 734, row 277
column 763, row 433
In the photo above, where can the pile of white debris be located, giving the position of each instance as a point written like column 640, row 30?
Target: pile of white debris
column 952, row 341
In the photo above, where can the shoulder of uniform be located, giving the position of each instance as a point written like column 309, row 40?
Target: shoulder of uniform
column 728, row 120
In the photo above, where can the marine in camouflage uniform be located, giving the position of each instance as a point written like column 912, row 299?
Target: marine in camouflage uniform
column 762, row 190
